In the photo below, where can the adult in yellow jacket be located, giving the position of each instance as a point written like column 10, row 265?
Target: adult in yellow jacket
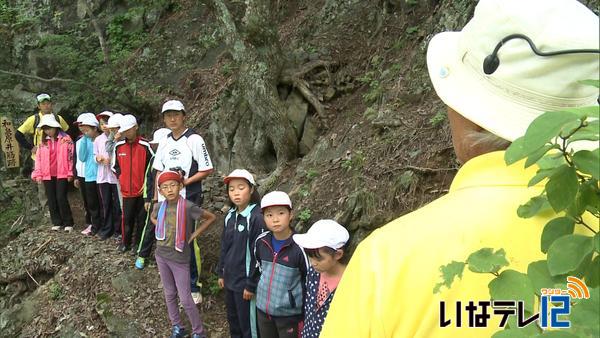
column 387, row 288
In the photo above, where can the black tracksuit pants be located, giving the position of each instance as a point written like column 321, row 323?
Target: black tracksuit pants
column 93, row 201
column 111, row 209
column 58, row 204
column 88, row 217
column 134, row 216
column 148, row 236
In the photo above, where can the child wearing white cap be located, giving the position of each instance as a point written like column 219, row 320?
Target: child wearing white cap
column 145, row 246
column 54, row 168
column 131, row 160
column 324, row 244
column 237, row 264
column 283, row 266
column 107, row 181
column 88, row 125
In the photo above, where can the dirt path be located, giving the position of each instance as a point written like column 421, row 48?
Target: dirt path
column 67, row 284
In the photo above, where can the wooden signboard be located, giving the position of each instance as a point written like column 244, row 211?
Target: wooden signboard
column 10, row 147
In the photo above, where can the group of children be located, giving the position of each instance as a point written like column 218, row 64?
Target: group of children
column 276, row 283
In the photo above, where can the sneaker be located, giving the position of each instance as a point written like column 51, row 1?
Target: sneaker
column 68, row 229
column 139, row 263
column 178, row 332
column 198, row 335
column 55, row 228
column 123, row 248
column 88, row 230
column 197, row 297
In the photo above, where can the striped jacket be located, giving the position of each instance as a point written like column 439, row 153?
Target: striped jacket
column 282, row 275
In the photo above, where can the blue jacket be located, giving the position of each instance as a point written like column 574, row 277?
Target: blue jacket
column 237, row 265
column 282, row 276
column 85, row 153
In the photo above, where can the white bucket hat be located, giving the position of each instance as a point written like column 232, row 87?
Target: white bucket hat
column 324, row 233
column 159, row 135
column 82, row 116
column 524, row 85
column 48, row 120
column 275, row 198
column 175, row 105
column 127, row 122
column 240, row 173
column 113, row 121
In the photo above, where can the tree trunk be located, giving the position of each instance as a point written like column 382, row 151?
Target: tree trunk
column 260, row 60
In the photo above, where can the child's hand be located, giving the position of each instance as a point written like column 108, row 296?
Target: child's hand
column 70, row 178
column 76, row 183
column 247, row 295
column 221, row 283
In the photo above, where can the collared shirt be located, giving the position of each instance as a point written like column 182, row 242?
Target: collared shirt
column 387, row 288
column 189, row 153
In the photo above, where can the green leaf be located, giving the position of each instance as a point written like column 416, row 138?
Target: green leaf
column 485, row 260
column 590, row 82
column 567, row 253
column 588, row 162
column 540, row 276
column 516, row 151
column 537, row 155
column 592, row 276
column 597, row 242
column 532, row 207
column 562, row 187
column 449, row 272
column 552, row 161
column 554, row 229
column 585, row 112
column 591, row 132
column 590, row 196
column 512, row 284
column 539, row 176
column 584, row 315
column 546, row 127
column 510, row 333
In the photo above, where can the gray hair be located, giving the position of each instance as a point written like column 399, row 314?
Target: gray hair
column 484, row 138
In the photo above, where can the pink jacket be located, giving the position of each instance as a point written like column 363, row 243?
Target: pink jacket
column 64, row 159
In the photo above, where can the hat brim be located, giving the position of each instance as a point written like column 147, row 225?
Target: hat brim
column 308, row 242
column 124, row 129
column 276, row 205
column 470, row 94
column 229, row 178
column 52, row 125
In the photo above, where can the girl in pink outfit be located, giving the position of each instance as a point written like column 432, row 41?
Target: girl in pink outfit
column 54, row 167
column 107, row 182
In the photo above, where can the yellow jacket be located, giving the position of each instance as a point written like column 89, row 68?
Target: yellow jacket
column 27, row 128
column 387, row 289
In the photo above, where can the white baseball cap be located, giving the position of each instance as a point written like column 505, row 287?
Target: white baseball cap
column 106, row 113
column 82, row 116
column 87, row 119
column 275, row 198
column 240, row 173
column 127, row 122
column 324, row 233
column 159, row 135
column 48, row 120
column 173, row 105
column 113, row 121
column 524, row 85
column 43, row 97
